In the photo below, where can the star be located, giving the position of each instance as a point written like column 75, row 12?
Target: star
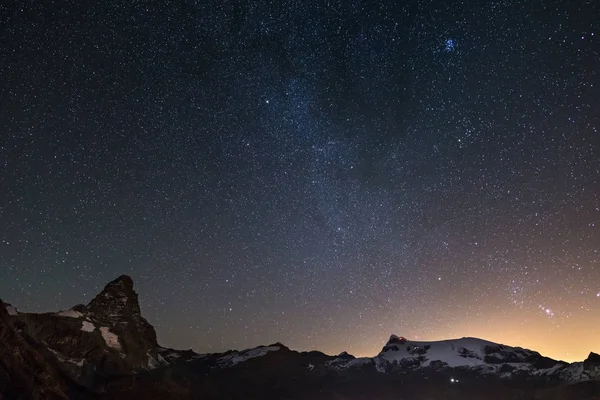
column 449, row 45
column 320, row 166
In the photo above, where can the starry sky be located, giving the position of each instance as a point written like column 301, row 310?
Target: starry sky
column 319, row 173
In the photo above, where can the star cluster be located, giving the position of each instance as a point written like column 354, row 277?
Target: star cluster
column 317, row 173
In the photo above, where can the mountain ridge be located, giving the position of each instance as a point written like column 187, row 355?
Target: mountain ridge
column 108, row 348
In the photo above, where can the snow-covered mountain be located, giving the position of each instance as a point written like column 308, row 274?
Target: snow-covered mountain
column 106, row 349
column 466, row 352
column 400, row 355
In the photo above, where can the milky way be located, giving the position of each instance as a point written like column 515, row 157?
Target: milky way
column 321, row 174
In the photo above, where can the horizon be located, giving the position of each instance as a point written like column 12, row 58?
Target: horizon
column 321, row 174
column 364, row 353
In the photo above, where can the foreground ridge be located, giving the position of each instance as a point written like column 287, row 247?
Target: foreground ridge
column 107, row 349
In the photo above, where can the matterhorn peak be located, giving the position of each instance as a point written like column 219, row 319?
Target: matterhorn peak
column 117, row 307
column 123, row 283
column 117, row 301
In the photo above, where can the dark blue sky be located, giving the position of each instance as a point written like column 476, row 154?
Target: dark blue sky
column 316, row 173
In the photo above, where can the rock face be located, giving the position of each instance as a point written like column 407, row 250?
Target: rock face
column 93, row 342
column 591, row 366
column 593, row 361
column 118, row 309
column 24, row 371
column 107, row 350
column 117, row 305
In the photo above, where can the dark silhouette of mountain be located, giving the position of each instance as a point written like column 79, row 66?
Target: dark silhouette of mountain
column 107, row 350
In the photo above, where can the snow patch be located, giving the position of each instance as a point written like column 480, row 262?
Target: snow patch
column 343, row 363
column 161, row 359
column 380, row 365
column 152, row 364
column 110, row 338
column 74, row 361
column 173, row 356
column 198, row 357
column 70, row 314
column 87, row 326
column 239, row 357
column 11, row 310
column 574, row 373
column 156, row 362
column 357, row 362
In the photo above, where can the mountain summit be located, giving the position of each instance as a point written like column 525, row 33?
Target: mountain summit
column 117, row 306
column 463, row 352
column 107, row 336
column 117, row 301
column 118, row 293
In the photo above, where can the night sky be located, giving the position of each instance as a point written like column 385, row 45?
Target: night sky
column 321, row 174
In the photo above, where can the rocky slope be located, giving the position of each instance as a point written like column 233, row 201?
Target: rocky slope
column 94, row 342
column 107, row 350
column 24, row 371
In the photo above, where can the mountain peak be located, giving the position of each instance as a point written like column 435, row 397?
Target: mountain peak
column 592, row 362
column 116, row 301
column 117, row 306
column 345, row 355
column 394, row 339
column 463, row 352
column 123, row 282
column 594, row 357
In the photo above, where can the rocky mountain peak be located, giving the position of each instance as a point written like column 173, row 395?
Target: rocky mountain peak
column 123, row 283
column 593, row 357
column 345, row 355
column 118, row 301
column 394, row 339
column 117, row 306
column 592, row 362
column 108, row 335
